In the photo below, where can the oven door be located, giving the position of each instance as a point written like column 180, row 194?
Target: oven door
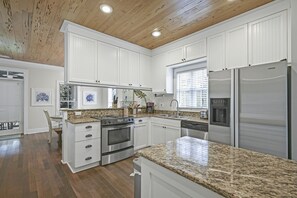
column 117, row 137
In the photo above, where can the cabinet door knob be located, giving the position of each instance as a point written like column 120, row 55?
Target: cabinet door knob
column 88, row 127
column 88, row 158
column 89, row 135
column 88, row 146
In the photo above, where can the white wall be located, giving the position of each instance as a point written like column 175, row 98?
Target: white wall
column 294, row 78
column 42, row 78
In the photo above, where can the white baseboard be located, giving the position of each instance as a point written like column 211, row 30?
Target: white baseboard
column 36, row 130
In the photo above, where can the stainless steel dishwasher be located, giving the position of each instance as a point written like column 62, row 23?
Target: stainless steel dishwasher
column 194, row 129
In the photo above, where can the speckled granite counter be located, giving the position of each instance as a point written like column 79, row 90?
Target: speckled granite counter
column 82, row 120
column 195, row 119
column 228, row 171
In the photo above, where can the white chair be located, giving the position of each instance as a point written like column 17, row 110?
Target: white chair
column 51, row 129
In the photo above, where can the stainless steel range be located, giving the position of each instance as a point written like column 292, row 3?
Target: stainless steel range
column 117, row 139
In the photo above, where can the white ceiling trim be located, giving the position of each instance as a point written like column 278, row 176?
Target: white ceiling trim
column 27, row 65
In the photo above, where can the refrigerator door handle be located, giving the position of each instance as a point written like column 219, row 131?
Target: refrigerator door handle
column 236, row 108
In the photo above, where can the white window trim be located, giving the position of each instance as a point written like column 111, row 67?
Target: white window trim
column 188, row 67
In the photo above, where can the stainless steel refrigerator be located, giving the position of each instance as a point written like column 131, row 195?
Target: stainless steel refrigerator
column 250, row 108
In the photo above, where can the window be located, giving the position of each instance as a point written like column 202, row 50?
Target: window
column 67, row 96
column 192, row 87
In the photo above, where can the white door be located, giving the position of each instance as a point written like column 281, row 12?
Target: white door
column 157, row 134
column 134, row 68
column 11, row 107
column 82, row 60
column 195, row 50
column 175, row 56
column 268, row 39
column 145, row 71
column 237, row 47
column 124, row 67
column 159, row 73
column 172, row 133
column 216, row 52
column 140, row 136
column 108, row 64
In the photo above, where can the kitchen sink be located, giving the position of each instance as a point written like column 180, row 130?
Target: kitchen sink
column 172, row 116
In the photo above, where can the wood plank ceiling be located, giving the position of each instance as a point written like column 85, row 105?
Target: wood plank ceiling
column 29, row 29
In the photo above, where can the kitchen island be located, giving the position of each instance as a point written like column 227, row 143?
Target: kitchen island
column 190, row 167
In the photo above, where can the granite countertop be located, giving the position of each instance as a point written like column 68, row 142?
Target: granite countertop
column 190, row 118
column 226, row 170
column 82, row 120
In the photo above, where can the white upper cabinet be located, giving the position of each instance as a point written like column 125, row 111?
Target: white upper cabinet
column 195, row 50
column 145, row 71
column 161, row 76
column 129, row 68
column 108, row 64
column 186, row 53
column 82, row 59
column 237, row 47
column 134, row 68
column 175, row 56
column 268, row 39
column 124, row 67
column 216, row 52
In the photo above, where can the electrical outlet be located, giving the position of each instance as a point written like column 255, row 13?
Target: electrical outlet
column 77, row 113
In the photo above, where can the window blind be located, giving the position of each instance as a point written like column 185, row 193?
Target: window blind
column 192, row 88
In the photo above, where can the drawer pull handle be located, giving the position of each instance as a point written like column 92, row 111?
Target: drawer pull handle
column 89, row 135
column 140, row 120
column 88, row 158
column 88, row 127
column 89, row 146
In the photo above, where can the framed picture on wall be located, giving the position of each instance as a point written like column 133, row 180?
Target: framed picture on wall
column 41, row 97
column 89, row 98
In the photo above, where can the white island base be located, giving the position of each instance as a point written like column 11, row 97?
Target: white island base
column 159, row 182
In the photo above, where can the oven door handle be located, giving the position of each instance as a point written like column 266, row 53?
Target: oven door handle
column 118, row 126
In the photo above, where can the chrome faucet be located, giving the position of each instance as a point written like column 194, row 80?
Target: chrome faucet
column 177, row 107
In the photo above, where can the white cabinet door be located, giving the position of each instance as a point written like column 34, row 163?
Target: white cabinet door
column 158, row 134
column 195, row 50
column 175, row 56
column 134, row 68
column 129, row 68
column 82, row 60
column 216, row 52
column 237, row 47
column 140, row 136
column 108, row 64
column 172, row 133
column 268, row 39
column 159, row 73
column 124, row 67
column 145, row 71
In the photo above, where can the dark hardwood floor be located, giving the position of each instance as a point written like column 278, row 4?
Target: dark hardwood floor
column 29, row 167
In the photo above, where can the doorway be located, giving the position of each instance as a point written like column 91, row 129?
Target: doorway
column 11, row 104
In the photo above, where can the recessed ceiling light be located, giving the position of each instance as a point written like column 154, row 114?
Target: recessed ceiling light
column 106, row 8
column 156, row 33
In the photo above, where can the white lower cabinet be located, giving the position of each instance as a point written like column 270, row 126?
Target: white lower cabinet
column 141, row 134
column 172, row 133
column 84, row 145
column 164, row 130
column 158, row 134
